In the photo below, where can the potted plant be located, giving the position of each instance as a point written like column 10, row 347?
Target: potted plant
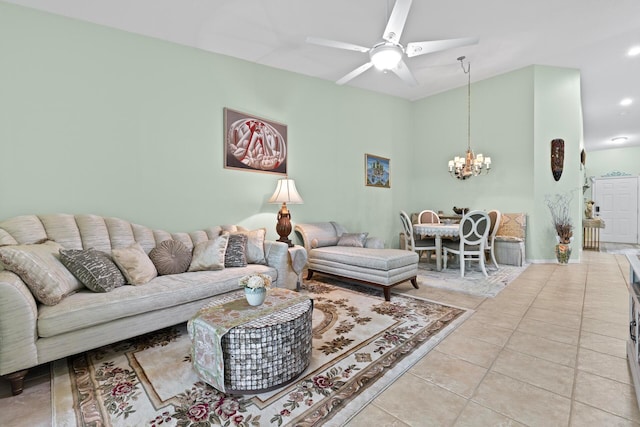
column 255, row 288
column 560, row 208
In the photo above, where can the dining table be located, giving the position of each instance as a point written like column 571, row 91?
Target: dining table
column 438, row 231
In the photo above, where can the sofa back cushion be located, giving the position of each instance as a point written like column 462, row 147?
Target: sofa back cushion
column 93, row 231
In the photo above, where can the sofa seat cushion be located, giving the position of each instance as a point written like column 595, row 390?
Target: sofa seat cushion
column 377, row 259
column 85, row 308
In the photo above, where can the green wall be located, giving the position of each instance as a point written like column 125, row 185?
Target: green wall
column 95, row 120
column 615, row 160
column 514, row 117
column 501, row 127
column 557, row 114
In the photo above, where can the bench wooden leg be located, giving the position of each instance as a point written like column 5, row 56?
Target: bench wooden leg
column 17, row 381
column 387, row 293
column 414, row 282
column 309, row 274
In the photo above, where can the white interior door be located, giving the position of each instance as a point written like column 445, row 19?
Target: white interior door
column 616, row 202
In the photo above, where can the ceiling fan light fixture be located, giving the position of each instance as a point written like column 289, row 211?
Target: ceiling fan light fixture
column 634, row 51
column 386, row 56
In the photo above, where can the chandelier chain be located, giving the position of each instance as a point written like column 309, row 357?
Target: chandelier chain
column 469, row 165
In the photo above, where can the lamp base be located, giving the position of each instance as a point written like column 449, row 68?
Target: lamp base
column 283, row 227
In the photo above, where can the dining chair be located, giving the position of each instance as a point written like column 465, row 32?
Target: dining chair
column 474, row 229
column 411, row 243
column 428, row 217
column 494, row 216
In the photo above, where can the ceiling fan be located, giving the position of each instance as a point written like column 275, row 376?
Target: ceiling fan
column 388, row 53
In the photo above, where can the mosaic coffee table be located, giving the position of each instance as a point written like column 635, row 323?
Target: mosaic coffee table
column 237, row 348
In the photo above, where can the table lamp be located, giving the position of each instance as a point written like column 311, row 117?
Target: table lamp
column 285, row 193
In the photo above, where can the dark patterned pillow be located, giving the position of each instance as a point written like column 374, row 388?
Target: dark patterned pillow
column 235, row 254
column 93, row 268
column 171, row 257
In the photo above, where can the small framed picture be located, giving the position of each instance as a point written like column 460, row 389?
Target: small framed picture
column 376, row 171
column 254, row 144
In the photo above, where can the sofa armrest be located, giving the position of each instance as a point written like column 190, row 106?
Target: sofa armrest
column 18, row 325
column 277, row 254
column 324, row 234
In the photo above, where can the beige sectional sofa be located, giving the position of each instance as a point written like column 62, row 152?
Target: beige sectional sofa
column 32, row 333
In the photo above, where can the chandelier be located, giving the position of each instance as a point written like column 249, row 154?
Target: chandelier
column 468, row 165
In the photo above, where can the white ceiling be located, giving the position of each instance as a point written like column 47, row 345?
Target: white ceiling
column 591, row 35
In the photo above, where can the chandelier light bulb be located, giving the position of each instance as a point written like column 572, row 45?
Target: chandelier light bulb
column 626, row 102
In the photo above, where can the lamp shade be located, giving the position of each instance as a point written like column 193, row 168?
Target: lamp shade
column 286, row 193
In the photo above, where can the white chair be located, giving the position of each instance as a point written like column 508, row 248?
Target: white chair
column 428, row 217
column 413, row 244
column 474, row 229
column 494, row 216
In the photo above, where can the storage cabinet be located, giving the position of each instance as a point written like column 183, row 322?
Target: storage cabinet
column 633, row 343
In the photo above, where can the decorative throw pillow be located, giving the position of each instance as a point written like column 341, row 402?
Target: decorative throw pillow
column 40, row 268
column 353, row 239
column 135, row 264
column 93, row 268
column 171, row 257
column 255, row 245
column 320, row 243
column 235, row 253
column 209, row 255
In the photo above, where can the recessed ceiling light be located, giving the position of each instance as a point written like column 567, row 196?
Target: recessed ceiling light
column 626, row 101
column 634, row 51
column 619, row 139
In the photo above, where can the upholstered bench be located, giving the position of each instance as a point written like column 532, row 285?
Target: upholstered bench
column 369, row 263
column 510, row 239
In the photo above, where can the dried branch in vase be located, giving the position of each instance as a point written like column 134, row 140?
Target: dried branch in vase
column 560, row 208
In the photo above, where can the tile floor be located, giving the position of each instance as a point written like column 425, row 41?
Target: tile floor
column 549, row 350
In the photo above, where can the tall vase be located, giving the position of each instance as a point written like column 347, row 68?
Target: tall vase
column 563, row 253
column 255, row 296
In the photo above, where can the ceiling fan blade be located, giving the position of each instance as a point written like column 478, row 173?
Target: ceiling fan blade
column 397, row 19
column 355, row 73
column 405, row 74
column 336, row 44
column 420, row 48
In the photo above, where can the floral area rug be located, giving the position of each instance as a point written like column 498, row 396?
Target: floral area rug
column 361, row 344
column 473, row 282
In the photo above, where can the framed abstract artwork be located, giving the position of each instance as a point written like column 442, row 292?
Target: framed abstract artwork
column 254, row 144
column 376, row 171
